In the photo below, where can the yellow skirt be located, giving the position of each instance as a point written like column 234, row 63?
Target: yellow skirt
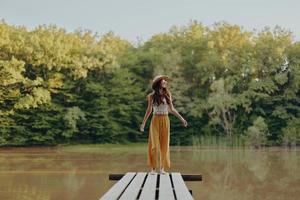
column 158, row 141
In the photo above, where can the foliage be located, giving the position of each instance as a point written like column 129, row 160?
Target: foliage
column 257, row 133
column 291, row 133
column 79, row 87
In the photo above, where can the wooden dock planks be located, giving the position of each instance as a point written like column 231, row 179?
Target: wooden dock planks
column 134, row 188
column 181, row 191
column 149, row 189
column 165, row 188
column 117, row 189
column 146, row 186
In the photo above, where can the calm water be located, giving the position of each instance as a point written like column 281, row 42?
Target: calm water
column 81, row 172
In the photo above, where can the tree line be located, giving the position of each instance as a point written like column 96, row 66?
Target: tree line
column 78, row 87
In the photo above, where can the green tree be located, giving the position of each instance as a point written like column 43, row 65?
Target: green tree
column 257, row 133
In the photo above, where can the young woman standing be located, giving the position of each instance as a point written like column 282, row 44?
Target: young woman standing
column 160, row 101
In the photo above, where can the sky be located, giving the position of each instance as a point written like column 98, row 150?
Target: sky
column 138, row 20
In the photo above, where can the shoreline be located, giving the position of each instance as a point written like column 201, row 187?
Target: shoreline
column 137, row 146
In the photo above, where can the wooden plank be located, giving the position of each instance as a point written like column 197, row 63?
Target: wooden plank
column 117, row 189
column 165, row 188
column 149, row 189
column 186, row 177
column 115, row 177
column 181, row 191
column 191, row 177
column 134, row 188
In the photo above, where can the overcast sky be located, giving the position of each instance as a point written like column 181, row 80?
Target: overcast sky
column 133, row 19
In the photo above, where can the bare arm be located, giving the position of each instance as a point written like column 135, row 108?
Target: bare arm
column 172, row 110
column 148, row 112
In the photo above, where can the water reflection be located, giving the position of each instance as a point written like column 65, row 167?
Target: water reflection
column 82, row 172
column 246, row 174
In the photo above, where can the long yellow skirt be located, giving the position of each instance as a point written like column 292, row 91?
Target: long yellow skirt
column 158, row 141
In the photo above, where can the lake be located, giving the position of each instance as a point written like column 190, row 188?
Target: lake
column 80, row 172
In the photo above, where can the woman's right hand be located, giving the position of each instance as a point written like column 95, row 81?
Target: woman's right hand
column 142, row 126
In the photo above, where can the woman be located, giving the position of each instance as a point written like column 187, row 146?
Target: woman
column 159, row 133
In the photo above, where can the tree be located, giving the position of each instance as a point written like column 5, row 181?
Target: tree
column 257, row 133
column 221, row 106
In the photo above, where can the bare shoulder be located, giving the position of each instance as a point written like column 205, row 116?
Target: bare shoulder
column 170, row 95
column 149, row 99
column 150, row 95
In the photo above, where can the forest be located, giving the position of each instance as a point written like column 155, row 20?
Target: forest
column 233, row 86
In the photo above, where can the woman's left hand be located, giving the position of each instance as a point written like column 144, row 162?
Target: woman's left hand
column 184, row 122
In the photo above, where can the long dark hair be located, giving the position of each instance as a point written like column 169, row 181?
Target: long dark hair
column 157, row 97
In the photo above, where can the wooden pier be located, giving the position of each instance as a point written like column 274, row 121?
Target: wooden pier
column 146, row 186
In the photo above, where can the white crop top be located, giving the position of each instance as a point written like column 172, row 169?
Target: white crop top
column 161, row 109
